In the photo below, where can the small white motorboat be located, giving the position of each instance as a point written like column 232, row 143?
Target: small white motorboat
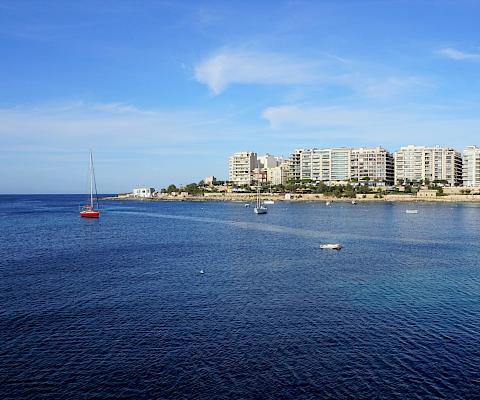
column 327, row 203
column 331, row 246
column 247, row 205
column 412, row 211
column 268, row 202
column 354, row 202
column 201, row 271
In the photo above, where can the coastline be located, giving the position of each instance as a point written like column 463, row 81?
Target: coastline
column 250, row 197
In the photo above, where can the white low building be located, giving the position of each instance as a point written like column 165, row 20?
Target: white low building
column 143, row 192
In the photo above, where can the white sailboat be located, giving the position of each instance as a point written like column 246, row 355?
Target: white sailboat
column 259, row 207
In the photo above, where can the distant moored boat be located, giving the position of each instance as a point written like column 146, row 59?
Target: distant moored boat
column 259, row 207
column 331, row 246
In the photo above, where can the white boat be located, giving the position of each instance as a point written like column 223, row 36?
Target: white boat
column 268, row 202
column 331, row 246
column 259, row 207
column 354, row 202
column 247, row 205
column 327, row 203
column 412, row 211
column 260, row 210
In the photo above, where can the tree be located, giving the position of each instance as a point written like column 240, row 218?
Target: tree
column 192, row 188
column 172, row 188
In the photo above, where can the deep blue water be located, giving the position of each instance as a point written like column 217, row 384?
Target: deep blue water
column 117, row 307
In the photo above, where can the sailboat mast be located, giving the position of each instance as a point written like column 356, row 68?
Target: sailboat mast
column 258, row 185
column 91, row 180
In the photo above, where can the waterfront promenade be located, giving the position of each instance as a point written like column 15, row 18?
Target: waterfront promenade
column 250, row 197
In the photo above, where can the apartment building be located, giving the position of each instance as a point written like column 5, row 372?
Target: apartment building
column 341, row 164
column 375, row 164
column 278, row 175
column 269, row 161
column 294, row 164
column 428, row 164
column 241, row 166
column 471, row 166
column 320, row 164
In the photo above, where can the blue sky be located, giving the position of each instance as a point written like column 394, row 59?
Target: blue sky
column 164, row 91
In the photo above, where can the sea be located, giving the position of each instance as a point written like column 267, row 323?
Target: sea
column 207, row 300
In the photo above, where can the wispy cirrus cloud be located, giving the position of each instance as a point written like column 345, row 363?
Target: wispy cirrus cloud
column 228, row 67
column 121, row 108
column 387, row 125
column 113, row 125
column 393, row 86
column 458, row 55
column 239, row 67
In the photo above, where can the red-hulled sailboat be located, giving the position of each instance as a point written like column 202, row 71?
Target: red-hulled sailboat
column 91, row 210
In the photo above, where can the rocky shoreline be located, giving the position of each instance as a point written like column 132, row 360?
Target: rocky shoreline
column 251, row 197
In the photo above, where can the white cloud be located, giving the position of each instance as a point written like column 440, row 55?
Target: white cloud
column 109, row 125
column 393, row 86
column 121, row 108
column 458, row 55
column 242, row 67
column 381, row 126
column 229, row 67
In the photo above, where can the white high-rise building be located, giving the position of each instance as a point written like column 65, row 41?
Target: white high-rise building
column 428, row 164
column 320, row 164
column 311, row 161
column 294, row 163
column 341, row 164
column 375, row 164
column 241, row 166
column 471, row 166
